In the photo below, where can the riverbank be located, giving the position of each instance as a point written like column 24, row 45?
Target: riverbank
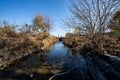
column 15, row 46
column 74, row 42
column 107, row 64
column 59, row 62
column 82, row 44
column 41, row 66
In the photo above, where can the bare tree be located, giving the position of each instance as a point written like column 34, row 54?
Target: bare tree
column 93, row 15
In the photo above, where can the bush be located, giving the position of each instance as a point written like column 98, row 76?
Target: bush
column 42, row 35
column 85, row 49
column 4, row 43
column 7, row 32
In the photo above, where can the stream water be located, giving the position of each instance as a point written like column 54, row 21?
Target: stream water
column 43, row 65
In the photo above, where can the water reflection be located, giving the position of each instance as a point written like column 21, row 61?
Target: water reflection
column 55, row 60
column 62, row 58
column 59, row 50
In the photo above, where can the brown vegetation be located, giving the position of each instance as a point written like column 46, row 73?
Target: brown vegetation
column 15, row 45
column 73, row 41
column 95, row 18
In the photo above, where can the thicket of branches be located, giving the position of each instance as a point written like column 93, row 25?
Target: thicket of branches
column 92, row 16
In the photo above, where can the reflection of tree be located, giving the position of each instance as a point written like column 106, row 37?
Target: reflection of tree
column 30, row 63
column 13, row 75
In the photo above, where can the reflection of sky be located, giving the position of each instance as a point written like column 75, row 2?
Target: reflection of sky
column 60, row 55
column 20, row 11
column 59, row 50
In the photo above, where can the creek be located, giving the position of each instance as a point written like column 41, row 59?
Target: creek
column 57, row 59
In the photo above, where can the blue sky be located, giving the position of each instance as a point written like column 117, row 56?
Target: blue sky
column 20, row 11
